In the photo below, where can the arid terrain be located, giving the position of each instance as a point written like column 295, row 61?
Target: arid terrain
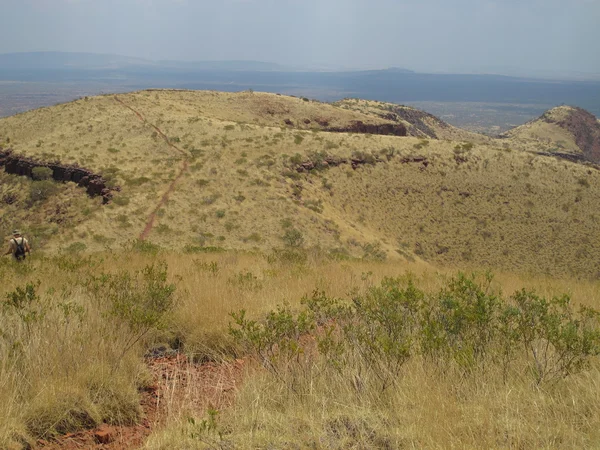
column 342, row 230
column 357, row 178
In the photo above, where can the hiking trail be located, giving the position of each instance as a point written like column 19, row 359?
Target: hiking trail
column 184, row 167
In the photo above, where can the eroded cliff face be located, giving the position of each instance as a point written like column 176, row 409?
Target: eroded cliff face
column 585, row 128
column 95, row 184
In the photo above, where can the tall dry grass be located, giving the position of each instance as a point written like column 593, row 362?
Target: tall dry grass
column 428, row 408
column 67, row 370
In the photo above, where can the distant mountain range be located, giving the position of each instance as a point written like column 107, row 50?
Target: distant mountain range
column 93, row 61
column 82, row 74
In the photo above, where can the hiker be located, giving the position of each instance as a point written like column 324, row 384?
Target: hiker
column 19, row 247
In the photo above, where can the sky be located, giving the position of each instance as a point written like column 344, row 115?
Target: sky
column 460, row 36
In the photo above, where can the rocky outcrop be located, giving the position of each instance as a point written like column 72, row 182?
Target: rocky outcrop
column 585, row 128
column 356, row 161
column 386, row 129
column 95, row 184
column 420, row 121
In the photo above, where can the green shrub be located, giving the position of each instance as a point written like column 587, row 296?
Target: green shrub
column 558, row 341
column 140, row 300
column 274, row 341
column 293, row 238
column 314, row 205
column 465, row 325
column 374, row 252
column 41, row 173
column 42, row 190
column 460, row 322
column 121, row 200
column 296, row 159
column 254, row 237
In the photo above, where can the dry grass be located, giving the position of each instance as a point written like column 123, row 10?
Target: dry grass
column 69, row 363
column 472, row 206
column 428, row 409
column 544, row 135
column 443, row 131
column 483, row 205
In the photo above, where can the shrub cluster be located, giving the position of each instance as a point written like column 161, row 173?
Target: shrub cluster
column 465, row 325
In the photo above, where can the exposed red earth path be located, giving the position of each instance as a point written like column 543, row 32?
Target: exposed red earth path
column 177, row 382
column 184, row 167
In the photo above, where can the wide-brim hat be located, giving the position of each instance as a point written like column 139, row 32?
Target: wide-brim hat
column 16, row 232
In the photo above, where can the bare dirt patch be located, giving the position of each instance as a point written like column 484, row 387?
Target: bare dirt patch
column 178, row 383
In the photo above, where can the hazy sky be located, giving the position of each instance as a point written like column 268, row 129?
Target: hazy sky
column 426, row 35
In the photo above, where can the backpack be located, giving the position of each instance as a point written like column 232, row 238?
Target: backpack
column 20, row 251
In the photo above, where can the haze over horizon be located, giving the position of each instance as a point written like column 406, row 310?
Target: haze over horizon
column 529, row 37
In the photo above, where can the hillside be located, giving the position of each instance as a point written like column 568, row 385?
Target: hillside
column 566, row 131
column 418, row 123
column 258, row 171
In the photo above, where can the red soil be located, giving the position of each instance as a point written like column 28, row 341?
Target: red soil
column 177, row 382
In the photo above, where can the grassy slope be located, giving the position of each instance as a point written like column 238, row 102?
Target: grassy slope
column 545, row 135
column 441, row 129
column 486, row 205
column 67, row 357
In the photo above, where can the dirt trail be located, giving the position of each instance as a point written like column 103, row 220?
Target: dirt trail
column 179, row 383
column 184, row 167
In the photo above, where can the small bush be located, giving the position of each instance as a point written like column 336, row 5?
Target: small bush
column 374, row 252
column 140, row 300
column 254, row 237
column 41, row 173
column 583, row 182
column 314, row 205
column 121, row 200
column 293, row 238
column 42, row 190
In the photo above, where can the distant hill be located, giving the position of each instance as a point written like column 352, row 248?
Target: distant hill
column 94, row 61
column 248, row 170
column 418, row 123
column 567, row 131
column 67, row 60
column 222, row 65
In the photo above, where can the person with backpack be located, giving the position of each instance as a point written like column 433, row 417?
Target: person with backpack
column 19, row 246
